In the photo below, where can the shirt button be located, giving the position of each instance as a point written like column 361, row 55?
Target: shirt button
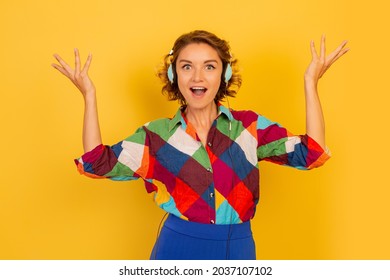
column 209, row 143
column 212, row 221
column 211, row 195
column 209, row 169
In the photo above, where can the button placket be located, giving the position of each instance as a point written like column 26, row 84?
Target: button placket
column 210, row 170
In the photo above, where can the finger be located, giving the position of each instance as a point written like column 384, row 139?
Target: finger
column 338, row 52
column 87, row 63
column 323, row 48
column 63, row 63
column 61, row 69
column 340, row 47
column 313, row 49
column 77, row 61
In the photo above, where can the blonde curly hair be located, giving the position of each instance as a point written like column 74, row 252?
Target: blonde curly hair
column 223, row 49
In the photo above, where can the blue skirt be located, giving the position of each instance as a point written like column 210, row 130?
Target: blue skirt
column 183, row 240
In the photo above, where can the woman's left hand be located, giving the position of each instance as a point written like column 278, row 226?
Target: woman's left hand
column 321, row 63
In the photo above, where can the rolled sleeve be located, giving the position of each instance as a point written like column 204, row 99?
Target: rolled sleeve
column 277, row 145
column 126, row 160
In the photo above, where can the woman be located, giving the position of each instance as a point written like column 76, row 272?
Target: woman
column 202, row 164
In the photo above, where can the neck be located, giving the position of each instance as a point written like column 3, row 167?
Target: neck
column 203, row 117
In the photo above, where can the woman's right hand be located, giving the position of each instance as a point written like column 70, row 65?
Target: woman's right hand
column 78, row 76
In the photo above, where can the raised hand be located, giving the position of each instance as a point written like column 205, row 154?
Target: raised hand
column 321, row 62
column 78, row 76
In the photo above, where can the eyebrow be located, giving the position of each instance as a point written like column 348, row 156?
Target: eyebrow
column 189, row 61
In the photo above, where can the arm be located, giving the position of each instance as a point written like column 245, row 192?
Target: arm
column 80, row 78
column 277, row 145
column 315, row 125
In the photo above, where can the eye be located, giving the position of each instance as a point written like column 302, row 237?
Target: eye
column 210, row 67
column 186, row 67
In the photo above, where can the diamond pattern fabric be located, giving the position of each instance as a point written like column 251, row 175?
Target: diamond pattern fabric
column 217, row 183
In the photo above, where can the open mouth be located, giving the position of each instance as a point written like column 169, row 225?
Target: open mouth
column 198, row 90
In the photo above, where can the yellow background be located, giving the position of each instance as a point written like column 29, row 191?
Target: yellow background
column 49, row 211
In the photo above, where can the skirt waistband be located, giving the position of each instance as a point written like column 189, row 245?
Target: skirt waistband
column 209, row 231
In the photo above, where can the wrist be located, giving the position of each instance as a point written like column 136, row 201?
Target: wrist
column 311, row 88
column 309, row 77
column 90, row 94
column 310, row 82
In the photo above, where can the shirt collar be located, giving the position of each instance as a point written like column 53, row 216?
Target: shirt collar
column 179, row 118
column 226, row 111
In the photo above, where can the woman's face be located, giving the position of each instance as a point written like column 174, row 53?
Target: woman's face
column 199, row 69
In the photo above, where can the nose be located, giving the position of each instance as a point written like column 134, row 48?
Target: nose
column 197, row 75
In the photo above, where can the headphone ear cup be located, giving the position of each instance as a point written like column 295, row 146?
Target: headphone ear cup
column 228, row 73
column 170, row 73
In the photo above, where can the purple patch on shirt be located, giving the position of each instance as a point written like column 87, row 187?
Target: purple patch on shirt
column 154, row 141
column 252, row 183
column 224, row 177
column 270, row 134
column 94, row 154
column 105, row 163
column 245, row 117
column 196, row 176
column 200, row 212
column 220, row 142
column 161, row 174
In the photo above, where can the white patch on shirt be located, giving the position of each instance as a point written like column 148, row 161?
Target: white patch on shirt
column 248, row 144
column 131, row 155
column 291, row 142
column 184, row 142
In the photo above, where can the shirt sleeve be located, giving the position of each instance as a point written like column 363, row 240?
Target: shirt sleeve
column 126, row 160
column 278, row 145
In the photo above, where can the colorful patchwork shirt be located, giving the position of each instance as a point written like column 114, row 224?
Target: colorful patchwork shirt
column 217, row 183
